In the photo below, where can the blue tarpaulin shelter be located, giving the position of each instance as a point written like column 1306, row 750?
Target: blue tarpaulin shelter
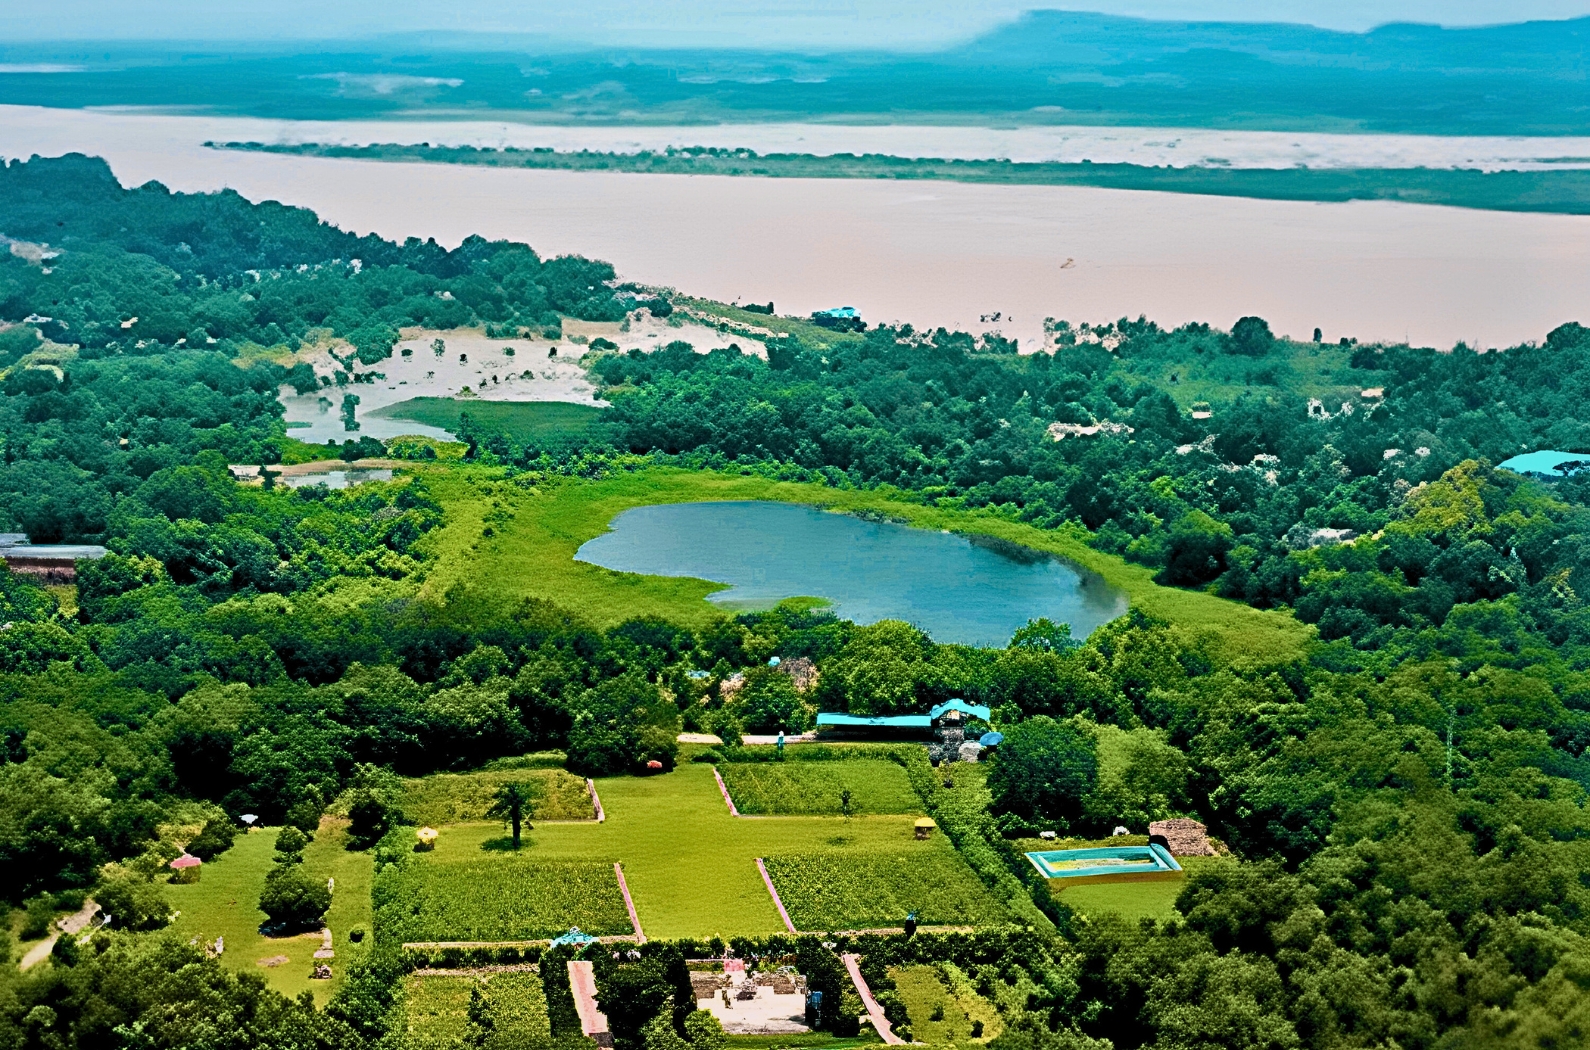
column 974, row 710
column 834, row 718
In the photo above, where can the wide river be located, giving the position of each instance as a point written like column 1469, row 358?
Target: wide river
column 928, row 253
column 953, row 589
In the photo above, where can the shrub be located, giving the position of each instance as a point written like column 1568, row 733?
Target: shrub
column 290, row 843
column 1043, row 770
column 213, row 840
column 293, row 899
column 133, row 903
column 39, row 913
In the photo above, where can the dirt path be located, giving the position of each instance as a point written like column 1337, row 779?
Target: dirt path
column 70, row 926
column 879, row 1021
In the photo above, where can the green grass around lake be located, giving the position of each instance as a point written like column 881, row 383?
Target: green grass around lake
column 456, row 798
column 1565, row 191
column 434, row 1011
column 461, row 892
column 225, row 903
column 873, row 889
column 534, row 534
column 813, row 788
column 523, row 421
column 691, row 867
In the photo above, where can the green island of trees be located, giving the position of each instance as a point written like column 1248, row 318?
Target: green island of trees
column 1357, row 652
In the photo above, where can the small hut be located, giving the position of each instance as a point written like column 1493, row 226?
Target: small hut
column 186, row 868
column 924, row 827
column 427, row 840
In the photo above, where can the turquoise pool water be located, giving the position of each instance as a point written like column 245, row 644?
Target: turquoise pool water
column 1103, row 860
column 1543, row 462
column 953, row 588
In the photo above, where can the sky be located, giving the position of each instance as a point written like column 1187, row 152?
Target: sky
column 825, row 24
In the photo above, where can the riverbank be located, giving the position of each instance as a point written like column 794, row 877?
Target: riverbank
column 1564, row 192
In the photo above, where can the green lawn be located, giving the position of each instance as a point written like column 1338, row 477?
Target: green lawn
column 454, row 798
column 942, row 1004
column 813, row 788
column 435, row 1011
column 534, row 533
column 859, row 890
column 225, row 903
column 691, row 867
column 523, row 421
column 1130, row 900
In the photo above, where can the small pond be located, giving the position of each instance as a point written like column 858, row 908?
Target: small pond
column 955, row 589
column 335, row 479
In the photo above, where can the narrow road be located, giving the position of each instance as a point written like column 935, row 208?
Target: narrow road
column 71, row 925
column 874, row 1011
column 582, row 982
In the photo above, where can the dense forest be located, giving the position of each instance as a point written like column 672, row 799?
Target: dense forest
column 1405, row 802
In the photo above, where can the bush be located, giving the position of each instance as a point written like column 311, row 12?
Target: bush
column 132, row 903
column 290, row 843
column 293, row 899
column 40, row 912
column 213, row 840
column 1251, row 337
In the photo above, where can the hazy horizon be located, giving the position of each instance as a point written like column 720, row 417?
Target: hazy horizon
column 788, row 24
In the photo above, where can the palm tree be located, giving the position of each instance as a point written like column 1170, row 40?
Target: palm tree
column 513, row 805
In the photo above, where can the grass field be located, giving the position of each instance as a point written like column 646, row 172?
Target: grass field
column 225, row 903
column 435, row 1011
column 942, row 1005
column 867, row 890
column 813, row 788
column 461, row 892
column 691, row 867
column 534, row 534
column 456, row 798
column 523, row 421
column 1130, row 900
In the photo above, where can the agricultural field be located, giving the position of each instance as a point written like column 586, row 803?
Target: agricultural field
column 435, row 1011
column 525, row 422
column 944, row 1005
column 530, row 534
column 499, row 896
column 855, row 890
column 876, row 785
column 225, row 903
column 457, row 798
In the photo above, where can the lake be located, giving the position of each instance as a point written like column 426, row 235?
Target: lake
column 953, row 588
column 927, row 253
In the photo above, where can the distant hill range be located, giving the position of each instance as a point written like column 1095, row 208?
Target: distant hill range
column 1047, row 67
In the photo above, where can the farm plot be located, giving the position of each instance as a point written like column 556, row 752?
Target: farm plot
column 843, row 891
column 456, row 798
column 435, row 1012
column 876, row 786
column 943, row 1005
column 498, row 898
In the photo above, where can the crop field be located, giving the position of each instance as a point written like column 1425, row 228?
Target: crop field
column 833, row 891
column 943, row 1004
column 457, row 798
column 502, row 896
column 876, row 785
column 523, row 421
column 435, row 1011
column 529, row 536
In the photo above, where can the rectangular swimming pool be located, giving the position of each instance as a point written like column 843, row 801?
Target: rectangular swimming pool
column 1125, row 863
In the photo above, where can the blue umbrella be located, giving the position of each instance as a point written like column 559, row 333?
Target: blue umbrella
column 991, row 739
